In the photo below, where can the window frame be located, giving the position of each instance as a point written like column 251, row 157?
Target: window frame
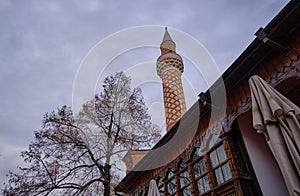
column 219, row 164
column 168, row 179
column 202, row 174
column 161, row 187
column 181, row 170
column 208, row 178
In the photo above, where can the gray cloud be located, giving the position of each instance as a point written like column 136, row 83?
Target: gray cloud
column 43, row 42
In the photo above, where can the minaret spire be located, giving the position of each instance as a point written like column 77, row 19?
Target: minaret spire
column 169, row 68
column 167, row 45
column 167, row 35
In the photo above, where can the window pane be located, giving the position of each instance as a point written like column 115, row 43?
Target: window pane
column 170, row 174
column 184, row 178
column 202, row 166
column 171, row 186
column 219, row 176
column 226, row 171
column 161, row 187
column 182, row 164
column 200, row 186
column 214, row 159
column 203, row 184
column 199, row 167
column 160, row 182
column 187, row 191
column 206, row 183
column 221, row 154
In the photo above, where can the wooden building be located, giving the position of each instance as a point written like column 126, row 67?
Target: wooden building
column 239, row 161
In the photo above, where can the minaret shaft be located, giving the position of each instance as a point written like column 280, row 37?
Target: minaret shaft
column 169, row 68
column 173, row 96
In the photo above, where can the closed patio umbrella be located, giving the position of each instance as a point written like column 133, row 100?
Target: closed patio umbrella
column 278, row 119
column 153, row 190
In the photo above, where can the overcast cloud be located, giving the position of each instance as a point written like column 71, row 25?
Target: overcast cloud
column 43, row 42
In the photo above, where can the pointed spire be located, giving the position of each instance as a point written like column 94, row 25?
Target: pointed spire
column 167, row 35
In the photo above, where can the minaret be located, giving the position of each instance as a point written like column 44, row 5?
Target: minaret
column 169, row 68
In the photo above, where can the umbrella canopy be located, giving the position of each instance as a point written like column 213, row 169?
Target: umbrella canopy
column 153, row 190
column 277, row 118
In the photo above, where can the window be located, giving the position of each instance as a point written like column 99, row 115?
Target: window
column 184, row 178
column 197, row 174
column 220, row 165
column 171, row 183
column 187, row 191
column 160, row 185
column 200, row 172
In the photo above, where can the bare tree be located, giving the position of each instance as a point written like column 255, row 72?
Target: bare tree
column 81, row 155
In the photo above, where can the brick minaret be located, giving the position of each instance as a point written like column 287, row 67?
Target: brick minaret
column 169, row 68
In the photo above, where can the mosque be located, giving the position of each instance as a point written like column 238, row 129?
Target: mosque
column 250, row 148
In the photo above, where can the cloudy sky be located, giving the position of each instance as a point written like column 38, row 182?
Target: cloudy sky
column 42, row 44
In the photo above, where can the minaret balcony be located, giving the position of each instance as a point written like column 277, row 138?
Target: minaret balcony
column 169, row 55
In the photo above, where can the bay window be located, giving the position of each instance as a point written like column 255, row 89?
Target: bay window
column 220, row 165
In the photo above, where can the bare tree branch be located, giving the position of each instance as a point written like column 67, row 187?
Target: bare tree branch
column 79, row 154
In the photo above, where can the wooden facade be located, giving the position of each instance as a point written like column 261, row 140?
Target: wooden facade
column 227, row 167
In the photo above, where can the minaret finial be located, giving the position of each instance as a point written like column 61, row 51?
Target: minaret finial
column 167, row 35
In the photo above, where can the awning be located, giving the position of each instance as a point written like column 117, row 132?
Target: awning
column 276, row 117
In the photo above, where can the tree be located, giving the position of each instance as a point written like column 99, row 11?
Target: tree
column 80, row 154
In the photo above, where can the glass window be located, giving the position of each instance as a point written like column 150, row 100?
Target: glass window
column 202, row 168
column 171, row 183
column 226, row 171
column 184, row 178
column 187, row 191
column 219, row 177
column 203, row 184
column 199, row 167
column 200, row 172
column 218, row 156
column 221, row 154
column 170, row 174
column 172, row 186
column 184, row 175
column 220, row 165
column 160, row 185
column 214, row 158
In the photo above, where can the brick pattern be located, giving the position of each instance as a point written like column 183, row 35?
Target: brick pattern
column 173, row 96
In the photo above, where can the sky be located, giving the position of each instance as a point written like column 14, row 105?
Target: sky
column 43, row 43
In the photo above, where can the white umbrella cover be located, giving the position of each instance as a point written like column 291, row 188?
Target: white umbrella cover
column 153, row 190
column 276, row 117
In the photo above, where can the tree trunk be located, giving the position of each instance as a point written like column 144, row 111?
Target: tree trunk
column 106, row 189
column 107, row 180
